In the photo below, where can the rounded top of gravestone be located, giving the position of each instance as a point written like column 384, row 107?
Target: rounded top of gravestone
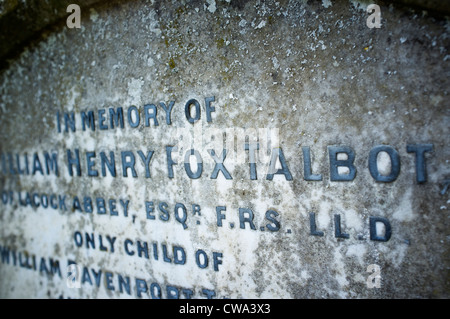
column 30, row 19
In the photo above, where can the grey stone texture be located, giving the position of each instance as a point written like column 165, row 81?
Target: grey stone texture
column 312, row 71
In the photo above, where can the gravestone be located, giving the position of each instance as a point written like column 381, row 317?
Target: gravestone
column 225, row 149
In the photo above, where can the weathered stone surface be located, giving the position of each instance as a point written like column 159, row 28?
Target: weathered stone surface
column 310, row 73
